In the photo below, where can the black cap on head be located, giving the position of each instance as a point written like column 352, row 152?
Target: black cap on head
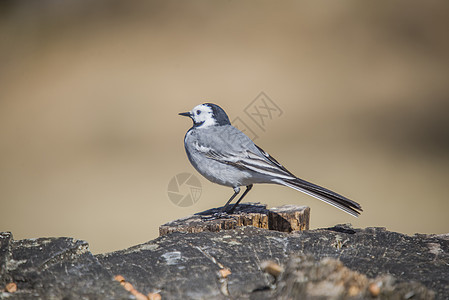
column 219, row 114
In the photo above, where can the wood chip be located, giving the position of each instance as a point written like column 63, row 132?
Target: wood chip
column 154, row 296
column 271, row 268
column 119, row 278
column 374, row 289
column 128, row 286
column 11, row 287
column 225, row 272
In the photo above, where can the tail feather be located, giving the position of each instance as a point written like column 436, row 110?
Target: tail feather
column 334, row 199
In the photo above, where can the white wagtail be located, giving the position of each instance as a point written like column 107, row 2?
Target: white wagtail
column 225, row 155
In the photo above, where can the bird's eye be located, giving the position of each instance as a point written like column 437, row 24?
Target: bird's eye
column 198, row 112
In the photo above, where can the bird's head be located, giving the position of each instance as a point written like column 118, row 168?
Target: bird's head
column 207, row 114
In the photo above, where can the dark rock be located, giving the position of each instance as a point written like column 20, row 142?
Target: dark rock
column 55, row 268
column 306, row 278
column 5, row 254
column 222, row 265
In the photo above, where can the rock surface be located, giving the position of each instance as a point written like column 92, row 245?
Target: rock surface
column 228, row 264
column 305, row 277
column 54, row 268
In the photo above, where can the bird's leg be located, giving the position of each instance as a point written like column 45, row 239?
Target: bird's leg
column 222, row 213
column 248, row 188
column 225, row 207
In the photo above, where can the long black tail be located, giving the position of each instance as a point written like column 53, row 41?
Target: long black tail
column 334, row 199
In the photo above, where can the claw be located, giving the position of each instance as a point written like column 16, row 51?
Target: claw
column 216, row 216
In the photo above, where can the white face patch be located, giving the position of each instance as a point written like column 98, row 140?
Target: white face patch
column 203, row 115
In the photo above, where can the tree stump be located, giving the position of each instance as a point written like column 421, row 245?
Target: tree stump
column 286, row 218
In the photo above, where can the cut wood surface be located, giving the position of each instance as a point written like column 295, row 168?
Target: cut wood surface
column 284, row 218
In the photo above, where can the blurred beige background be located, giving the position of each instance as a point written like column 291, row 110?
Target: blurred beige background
column 90, row 91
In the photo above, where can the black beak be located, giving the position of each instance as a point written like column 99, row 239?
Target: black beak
column 185, row 114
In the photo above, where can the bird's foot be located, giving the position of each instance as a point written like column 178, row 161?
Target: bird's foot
column 217, row 215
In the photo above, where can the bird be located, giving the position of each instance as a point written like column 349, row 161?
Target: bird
column 225, row 155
